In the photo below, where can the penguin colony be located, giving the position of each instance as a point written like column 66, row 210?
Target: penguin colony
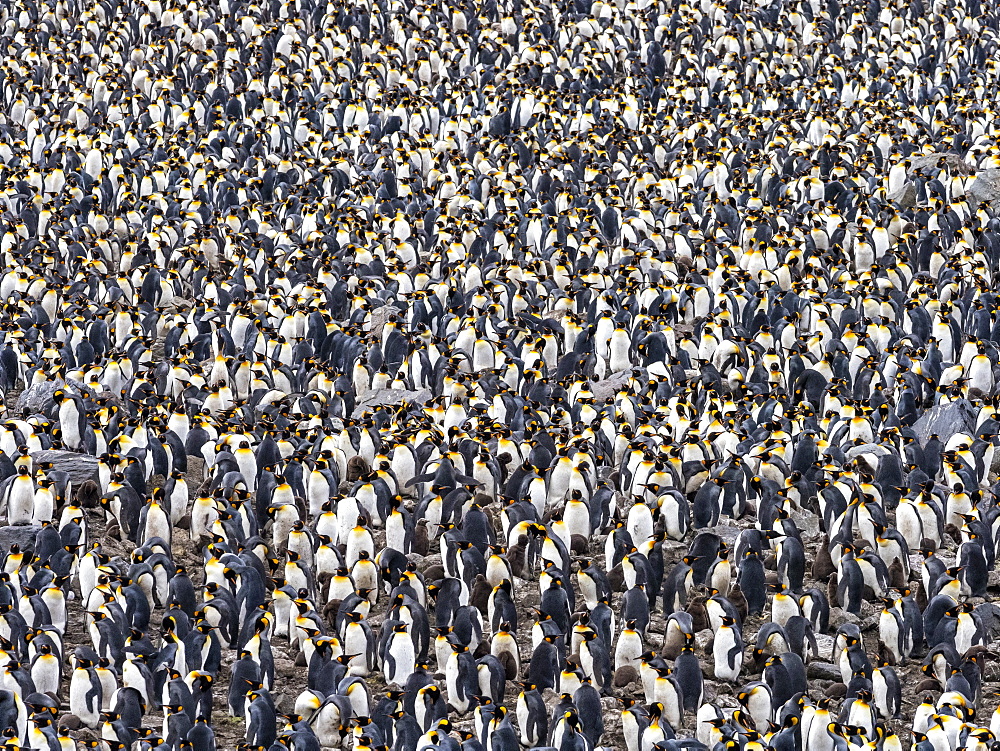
column 536, row 375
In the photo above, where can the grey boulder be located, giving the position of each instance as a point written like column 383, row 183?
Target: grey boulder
column 382, row 397
column 610, row 386
column 38, row 398
column 80, row 467
column 944, row 420
column 986, row 187
column 18, row 534
column 989, row 614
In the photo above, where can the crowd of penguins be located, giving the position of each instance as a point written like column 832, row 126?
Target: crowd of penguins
column 535, row 374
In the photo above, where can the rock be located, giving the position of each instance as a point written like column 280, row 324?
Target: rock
column 839, row 616
column 927, row 165
column 605, row 473
column 196, row 469
column 727, row 532
column 906, row 196
column 38, row 398
column 673, row 549
column 286, row 668
column 18, row 534
column 703, row 640
column 985, row 188
column 869, row 616
column 825, row 671
column 866, row 448
column 807, row 522
column 989, row 613
column 824, row 643
column 81, row 467
column 994, row 467
column 724, row 698
column 610, row 704
column 284, row 702
column 610, row 386
column 380, row 317
column 383, row 397
column 178, row 303
column 944, row 420
column 550, row 697
column 72, row 385
column 425, row 562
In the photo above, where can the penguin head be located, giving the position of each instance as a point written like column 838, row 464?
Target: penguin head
column 983, row 735
column 573, row 720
